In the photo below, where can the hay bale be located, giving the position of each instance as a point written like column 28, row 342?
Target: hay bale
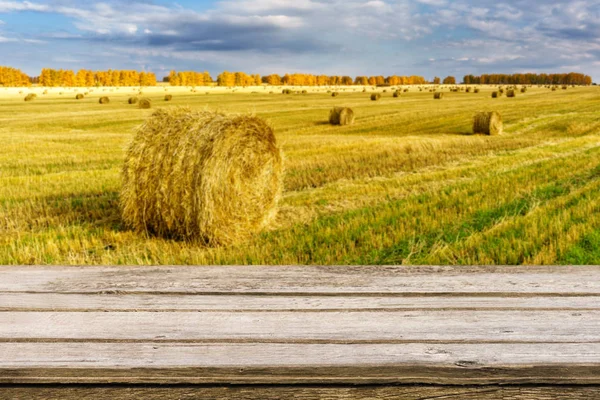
column 341, row 116
column 565, row 87
column 168, row 97
column 495, row 95
column 133, row 100
column 375, row 96
column 30, row 97
column 144, row 102
column 511, row 93
column 523, row 89
column 104, row 100
column 335, row 94
column 79, row 96
column 488, row 123
column 396, row 93
column 203, row 176
column 476, row 90
column 286, row 91
column 438, row 95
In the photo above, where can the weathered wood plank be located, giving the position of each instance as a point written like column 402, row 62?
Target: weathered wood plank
column 304, row 279
column 536, row 326
column 193, row 303
column 302, row 393
column 252, row 363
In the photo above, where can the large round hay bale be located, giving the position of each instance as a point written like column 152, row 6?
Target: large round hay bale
column 79, row 96
column 438, row 95
column 204, row 176
column 511, row 93
column 133, row 100
column 168, row 97
column 396, row 93
column 375, row 96
column 488, row 123
column 144, row 102
column 335, row 94
column 30, row 97
column 341, row 116
column 104, row 100
column 495, row 95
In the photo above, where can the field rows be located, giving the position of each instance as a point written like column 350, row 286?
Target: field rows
column 407, row 183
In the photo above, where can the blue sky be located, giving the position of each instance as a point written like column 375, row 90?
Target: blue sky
column 349, row 37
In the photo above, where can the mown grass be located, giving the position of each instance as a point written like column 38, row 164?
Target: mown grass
column 406, row 184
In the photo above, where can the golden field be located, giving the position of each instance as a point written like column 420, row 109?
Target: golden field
column 407, row 183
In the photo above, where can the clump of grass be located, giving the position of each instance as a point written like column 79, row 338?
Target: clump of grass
column 202, row 176
column 488, row 123
column 341, row 116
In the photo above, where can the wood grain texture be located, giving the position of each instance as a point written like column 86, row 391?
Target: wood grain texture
column 300, row 393
column 288, row 279
column 211, row 303
column 256, row 363
column 302, row 326
column 337, row 326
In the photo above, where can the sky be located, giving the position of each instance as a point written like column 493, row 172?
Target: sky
column 334, row 37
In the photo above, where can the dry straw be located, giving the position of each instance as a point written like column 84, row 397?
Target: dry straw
column 488, row 123
column 202, row 176
column 341, row 116
column 104, row 100
column 145, row 102
column 168, row 97
column 438, row 95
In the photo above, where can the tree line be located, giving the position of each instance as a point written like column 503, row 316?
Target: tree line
column 13, row 77
column 68, row 78
column 572, row 78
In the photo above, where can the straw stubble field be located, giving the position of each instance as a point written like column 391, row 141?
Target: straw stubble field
column 406, row 183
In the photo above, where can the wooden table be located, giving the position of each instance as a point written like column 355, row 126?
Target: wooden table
column 299, row 332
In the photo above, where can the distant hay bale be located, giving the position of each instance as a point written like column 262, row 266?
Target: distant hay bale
column 488, row 123
column 133, row 100
column 341, row 116
column 476, row 90
column 286, row 91
column 468, row 90
column 335, row 94
column 45, row 92
column 396, row 93
column 202, row 176
column 501, row 91
column 565, row 87
column 554, row 89
column 104, row 100
column 438, row 95
column 511, row 93
column 168, row 97
column 375, row 96
column 79, row 96
column 30, row 97
column 523, row 89
column 495, row 95
column 304, row 91
column 144, row 102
